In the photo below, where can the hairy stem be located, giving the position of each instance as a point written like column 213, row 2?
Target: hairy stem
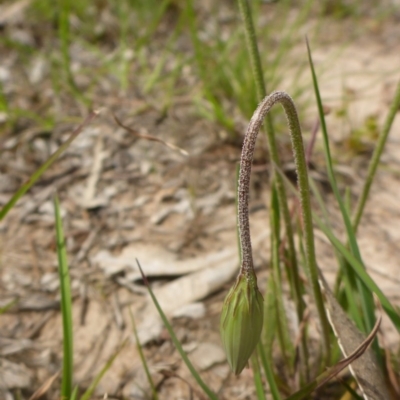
column 247, row 268
column 255, row 60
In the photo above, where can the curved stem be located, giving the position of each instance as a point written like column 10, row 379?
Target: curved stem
column 255, row 60
column 247, row 268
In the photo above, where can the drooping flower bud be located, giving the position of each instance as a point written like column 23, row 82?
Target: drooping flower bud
column 241, row 321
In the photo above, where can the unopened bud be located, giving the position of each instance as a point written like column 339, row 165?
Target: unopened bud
column 241, row 322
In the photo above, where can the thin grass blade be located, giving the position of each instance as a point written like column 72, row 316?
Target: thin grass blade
column 8, row 306
column 287, row 348
column 39, row 172
column 265, row 346
column 366, row 299
column 257, row 377
column 143, row 359
column 89, row 392
column 66, row 305
column 74, row 394
column 211, row 395
column 376, row 156
column 352, row 305
column 358, row 268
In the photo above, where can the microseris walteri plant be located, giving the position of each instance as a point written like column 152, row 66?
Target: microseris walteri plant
column 242, row 314
column 242, row 321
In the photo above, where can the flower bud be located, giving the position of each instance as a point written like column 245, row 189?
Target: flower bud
column 241, row 321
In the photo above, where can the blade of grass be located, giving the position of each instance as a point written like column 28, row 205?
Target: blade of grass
column 143, row 359
column 64, row 8
column 176, row 342
column 353, row 393
column 287, row 348
column 74, row 394
column 123, row 18
column 157, row 16
column 200, row 57
column 376, row 156
column 352, row 306
column 89, row 392
column 39, row 172
column 358, row 268
column 158, row 70
column 265, row 348
column 8, row 306
column 367, row 302
column 255, row 60
column 66, row 306
column 257, row 377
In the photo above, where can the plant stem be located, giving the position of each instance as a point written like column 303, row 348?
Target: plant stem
column 255, row 61
column 243, row 197
column 251, row 42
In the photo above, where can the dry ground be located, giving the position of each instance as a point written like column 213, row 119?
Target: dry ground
column 124, row 198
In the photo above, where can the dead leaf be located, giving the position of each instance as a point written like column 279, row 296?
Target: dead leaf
column 45, row 387
column 365, row 369
column 186, row 290
column 156, row 261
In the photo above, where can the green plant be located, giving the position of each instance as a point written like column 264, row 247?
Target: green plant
column 241, row 310
column 242, row 320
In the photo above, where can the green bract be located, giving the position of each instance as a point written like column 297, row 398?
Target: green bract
column 241, row 322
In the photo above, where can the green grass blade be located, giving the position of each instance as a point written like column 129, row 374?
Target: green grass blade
column 89, row 392
column 200, row 57
column 286, row 344
column 39, row 172
column 157, row 16
column 353, row 393
column 66, row 306
column 8, row 306
column 352, row 305
column 358, row 268
column 158, row 71
column 267, row 364
column 367, row 302
column 255, row 60
column 251, row 44
column 64, row 8
column 143, row 359
column 74, row 394
column 257, row 377
column 304, row 392
column 265, row 346
column 376, row 156
column 211, row 395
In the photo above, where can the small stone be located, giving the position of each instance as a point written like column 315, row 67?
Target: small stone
column 206, row 355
